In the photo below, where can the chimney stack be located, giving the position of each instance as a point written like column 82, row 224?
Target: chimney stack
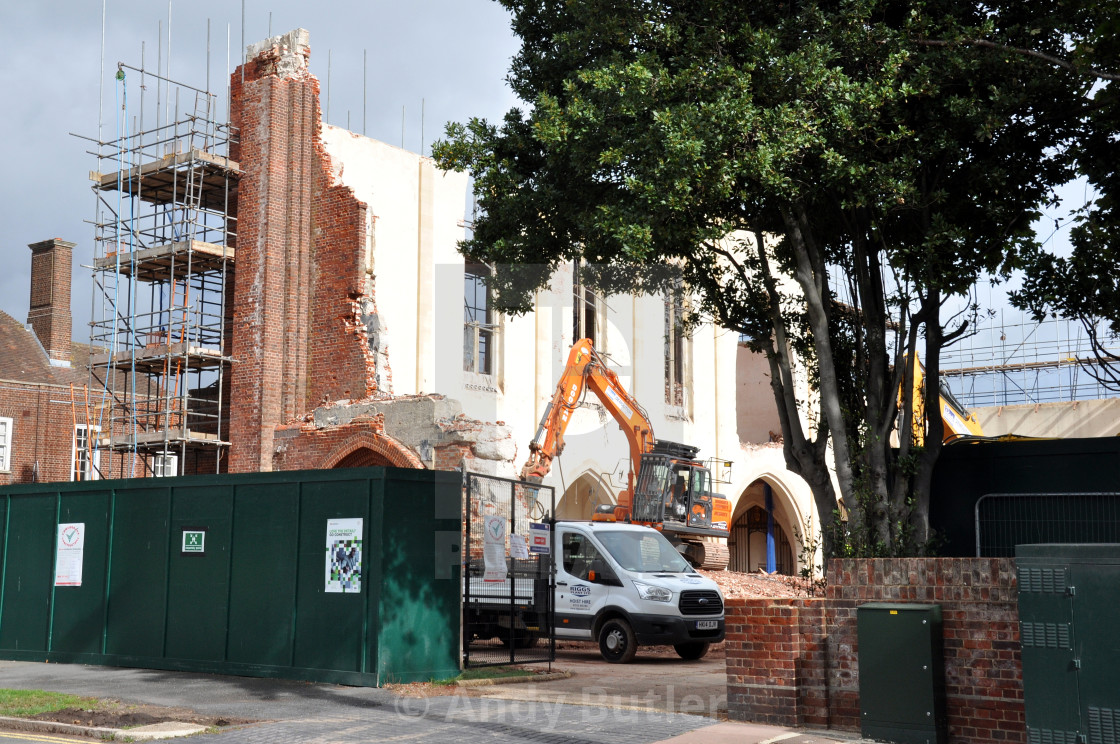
column 49, row 315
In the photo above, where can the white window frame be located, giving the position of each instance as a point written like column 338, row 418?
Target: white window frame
column 165, row 465
column 93, row 463
column 585, row 301
column 475, row 328
column 678, row 352
column 6, row 424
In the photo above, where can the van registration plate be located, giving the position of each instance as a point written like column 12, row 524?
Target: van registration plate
column 707, row 624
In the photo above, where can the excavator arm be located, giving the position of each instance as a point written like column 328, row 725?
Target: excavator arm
column 586, row 370
column 958, row 423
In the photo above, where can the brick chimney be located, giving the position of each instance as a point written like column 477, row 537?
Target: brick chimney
column 49, row 315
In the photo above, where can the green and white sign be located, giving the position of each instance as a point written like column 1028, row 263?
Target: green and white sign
column 194, row 541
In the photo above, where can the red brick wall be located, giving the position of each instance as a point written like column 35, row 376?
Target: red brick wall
column 276, row 117
column 795, row 662
column 341, row 362
column 43, row 433
column 297, row 336
column 361, row 442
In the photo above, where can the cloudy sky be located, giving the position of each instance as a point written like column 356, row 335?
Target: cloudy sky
column 447, row 57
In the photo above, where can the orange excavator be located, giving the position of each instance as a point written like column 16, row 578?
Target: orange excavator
column 666, row 488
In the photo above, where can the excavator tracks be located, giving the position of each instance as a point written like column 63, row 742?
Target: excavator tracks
column 708, row 555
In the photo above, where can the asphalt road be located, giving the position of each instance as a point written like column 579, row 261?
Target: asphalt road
column 657, row 680
column 306, row 712
column 659, row 697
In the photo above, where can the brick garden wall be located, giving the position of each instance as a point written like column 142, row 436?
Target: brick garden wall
column 795, row 662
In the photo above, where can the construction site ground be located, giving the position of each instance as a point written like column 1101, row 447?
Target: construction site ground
column 656, row 681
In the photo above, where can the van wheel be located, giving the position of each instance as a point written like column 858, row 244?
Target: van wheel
column 616, row 641
column 692, row 651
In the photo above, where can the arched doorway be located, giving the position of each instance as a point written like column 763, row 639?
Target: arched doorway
column 747, row 543
column 581, row 498
column 363, row 457
column 752, row 526
column 367, row 449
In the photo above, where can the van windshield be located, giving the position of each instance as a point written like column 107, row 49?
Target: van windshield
column 643, row 551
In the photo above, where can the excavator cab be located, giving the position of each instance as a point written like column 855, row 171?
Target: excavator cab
column 673, row 490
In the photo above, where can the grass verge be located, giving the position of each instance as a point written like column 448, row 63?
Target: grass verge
column 21, row 703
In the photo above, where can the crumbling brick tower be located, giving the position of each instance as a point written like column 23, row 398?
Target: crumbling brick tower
column 295, row 337
column 310, row 381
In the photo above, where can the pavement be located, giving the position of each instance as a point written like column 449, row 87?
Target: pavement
column 583, row 707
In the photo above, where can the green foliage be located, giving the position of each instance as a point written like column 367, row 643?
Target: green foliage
column 1083, row 285
column 821, row 175
column 24, row 703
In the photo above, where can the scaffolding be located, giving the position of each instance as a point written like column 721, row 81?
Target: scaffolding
column 1013, row 359
column 165, row 235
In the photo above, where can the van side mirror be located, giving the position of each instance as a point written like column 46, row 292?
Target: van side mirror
column 606, row 578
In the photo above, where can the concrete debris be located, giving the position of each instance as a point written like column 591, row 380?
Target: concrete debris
column 504, row 449
column 284, row 55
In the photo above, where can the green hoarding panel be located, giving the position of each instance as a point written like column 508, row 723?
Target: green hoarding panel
column 966, row 471
column 330, row 624
column 136, row 615
column 419, row 616
column 263, row 576
column 28, row 573
column 79, row 611
column 198, row 576
column 232, row 574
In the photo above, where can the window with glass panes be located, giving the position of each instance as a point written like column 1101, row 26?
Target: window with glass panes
column 5, row 443
column 86, row 458
column 678, row 348
column 478, row 325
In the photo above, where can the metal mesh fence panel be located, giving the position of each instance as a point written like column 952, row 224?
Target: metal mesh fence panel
column 508, row 578
column 1004, row 520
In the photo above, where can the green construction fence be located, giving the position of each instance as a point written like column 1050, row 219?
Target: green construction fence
column 237, row 574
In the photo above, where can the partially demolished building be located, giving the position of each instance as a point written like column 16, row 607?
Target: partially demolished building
column 277, row 293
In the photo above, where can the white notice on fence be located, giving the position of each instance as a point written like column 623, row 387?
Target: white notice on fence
column 344, row 556
column 68, row 561
column 518, row 547
column 494, row 548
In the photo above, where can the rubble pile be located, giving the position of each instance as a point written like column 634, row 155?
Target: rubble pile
column 736, row 584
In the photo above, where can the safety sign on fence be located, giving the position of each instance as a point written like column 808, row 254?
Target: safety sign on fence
column 69, row 554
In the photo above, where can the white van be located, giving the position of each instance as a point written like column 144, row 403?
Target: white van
column 621, row 585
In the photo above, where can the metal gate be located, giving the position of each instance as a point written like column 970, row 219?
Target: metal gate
column 508, row 576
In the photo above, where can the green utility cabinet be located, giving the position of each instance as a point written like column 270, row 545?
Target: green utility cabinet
column 901, row 673
column 1068, row 623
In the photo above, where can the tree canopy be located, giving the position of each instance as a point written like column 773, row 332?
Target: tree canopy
column 1085, row 284
column 823, row 175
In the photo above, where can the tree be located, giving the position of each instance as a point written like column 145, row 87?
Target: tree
column 824, row 176
column 1083, row 285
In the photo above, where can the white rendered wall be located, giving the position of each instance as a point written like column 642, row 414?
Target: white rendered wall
column 417, row 278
